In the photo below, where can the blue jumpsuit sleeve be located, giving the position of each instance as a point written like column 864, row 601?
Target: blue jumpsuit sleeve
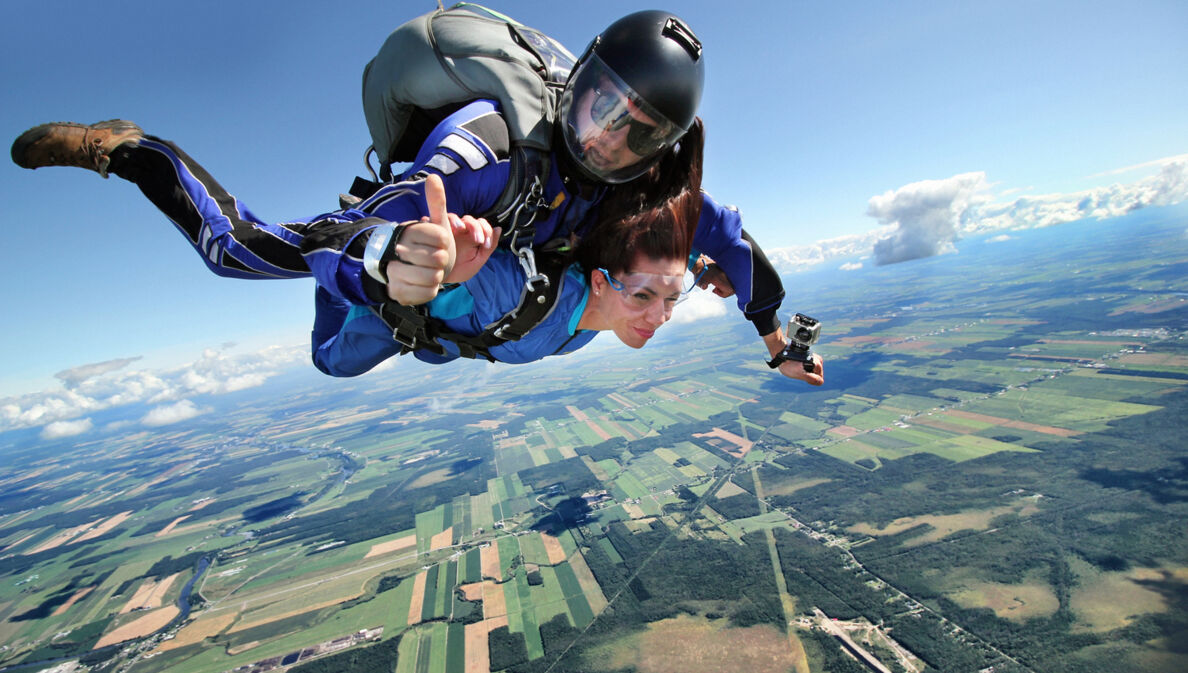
column 333, row 251
column 756, row 283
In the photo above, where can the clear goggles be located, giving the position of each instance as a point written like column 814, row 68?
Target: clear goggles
column 641, row 291
column 596, row 103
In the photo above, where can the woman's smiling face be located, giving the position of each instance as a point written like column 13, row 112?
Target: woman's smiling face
column 637, row 302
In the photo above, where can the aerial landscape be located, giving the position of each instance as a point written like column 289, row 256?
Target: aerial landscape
column 992, row 479
column 985, row 205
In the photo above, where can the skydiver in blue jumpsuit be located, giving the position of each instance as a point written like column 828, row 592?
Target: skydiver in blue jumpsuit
column 612, row 135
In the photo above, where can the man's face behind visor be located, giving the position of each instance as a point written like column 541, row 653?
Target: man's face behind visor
column 614, row 134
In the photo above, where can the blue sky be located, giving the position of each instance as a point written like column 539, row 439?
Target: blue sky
column 825, row 121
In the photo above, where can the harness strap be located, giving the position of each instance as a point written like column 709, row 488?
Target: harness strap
column 410, row 326
column 415, row 329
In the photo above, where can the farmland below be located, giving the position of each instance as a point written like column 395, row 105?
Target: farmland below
column 993, row 476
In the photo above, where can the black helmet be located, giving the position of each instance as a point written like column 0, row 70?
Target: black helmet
column 632, row 95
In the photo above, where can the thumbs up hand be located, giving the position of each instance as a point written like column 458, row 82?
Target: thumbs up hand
column 441, row 248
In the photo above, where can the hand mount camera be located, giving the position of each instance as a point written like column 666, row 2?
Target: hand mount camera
column 803, row 332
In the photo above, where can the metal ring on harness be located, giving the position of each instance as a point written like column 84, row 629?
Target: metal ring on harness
column 534, row 200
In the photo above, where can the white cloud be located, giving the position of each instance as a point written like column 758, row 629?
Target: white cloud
column 1179, row 158
column 446, row 400
column 75, row 375
column 60, row 429
column 104, row 385
column 851, row 266
column 806, row 256
column 40, row 408
column 174, row 413
column 1168, row 186
column 925, row 218
column 390, row 364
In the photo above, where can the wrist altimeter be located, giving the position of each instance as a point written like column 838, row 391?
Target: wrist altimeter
column 381, row 249
column 803, row 332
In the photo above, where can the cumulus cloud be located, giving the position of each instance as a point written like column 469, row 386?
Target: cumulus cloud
column 851, row 266
column 60, row 429
column 803, row 257
column 75, row 375
column 116, row 426
column 217, row 372
column 173, row 413
column 91, row 388
column 1167, row 187
column 926, row 216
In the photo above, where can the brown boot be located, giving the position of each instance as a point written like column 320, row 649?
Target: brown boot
column 71, row 144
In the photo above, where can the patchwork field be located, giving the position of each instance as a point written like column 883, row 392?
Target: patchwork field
column 1001, row 454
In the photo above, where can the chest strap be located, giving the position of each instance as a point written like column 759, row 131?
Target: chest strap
column 416, row 330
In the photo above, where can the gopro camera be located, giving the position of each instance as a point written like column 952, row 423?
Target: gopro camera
column 802, row 333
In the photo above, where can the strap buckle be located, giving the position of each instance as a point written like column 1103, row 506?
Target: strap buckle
column 410, row 327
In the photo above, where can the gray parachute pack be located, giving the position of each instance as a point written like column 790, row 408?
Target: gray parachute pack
column 434, row 64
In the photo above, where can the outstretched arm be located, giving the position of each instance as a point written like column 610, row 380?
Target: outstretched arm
column 709, row 273
column 754, row 282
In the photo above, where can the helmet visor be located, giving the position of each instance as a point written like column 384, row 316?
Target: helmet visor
column 612, row 132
